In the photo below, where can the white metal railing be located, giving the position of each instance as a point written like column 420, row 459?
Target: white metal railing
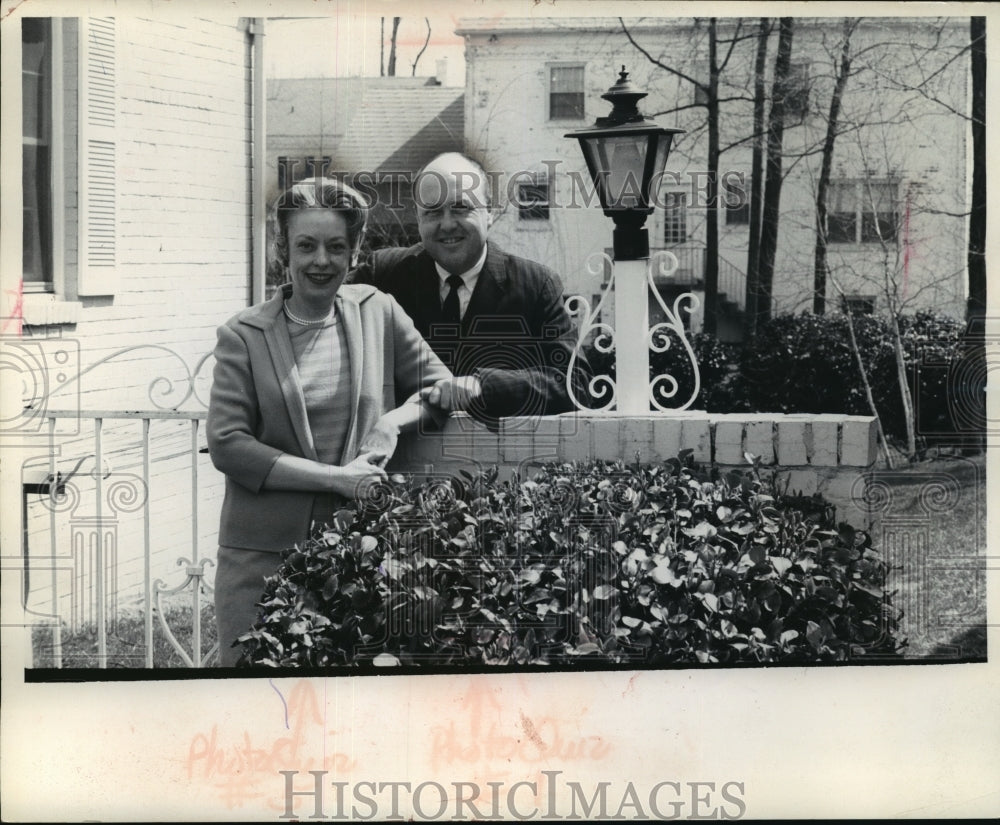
column 94, row 555
column 630, row 390
column 113, row 489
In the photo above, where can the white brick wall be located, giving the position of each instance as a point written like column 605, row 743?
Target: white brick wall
column 182, row 206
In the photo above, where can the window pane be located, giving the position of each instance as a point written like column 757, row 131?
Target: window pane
column 533, row 201
column 737, row 203
column 858, row 305
column 841, row 227
column 878, row 197
column 840, row 197
column 566, row 92
column 36, row 89
column 566, row 105
column 566, row 79
column 886, row 226
column 37, row 239
column 878, row 211
column 675, row 218
column 35, row 105
column 797, row 90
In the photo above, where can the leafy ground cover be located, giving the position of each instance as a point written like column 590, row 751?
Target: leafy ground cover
column 593, row 562
column 941, row 595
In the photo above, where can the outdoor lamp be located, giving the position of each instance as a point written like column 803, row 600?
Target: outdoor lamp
column 625, row 154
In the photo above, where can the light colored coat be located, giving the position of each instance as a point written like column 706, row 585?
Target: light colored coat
column 257, row 409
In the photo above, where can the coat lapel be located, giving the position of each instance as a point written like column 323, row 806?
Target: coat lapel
column 486, row 299
column 279, row 344
column 350, row 317
column 426, row 295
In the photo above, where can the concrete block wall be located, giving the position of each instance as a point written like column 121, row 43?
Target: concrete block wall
column 826, row 454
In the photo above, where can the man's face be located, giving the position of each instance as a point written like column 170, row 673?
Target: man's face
column 452, row 213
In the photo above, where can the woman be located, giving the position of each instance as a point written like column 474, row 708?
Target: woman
column 311, row 390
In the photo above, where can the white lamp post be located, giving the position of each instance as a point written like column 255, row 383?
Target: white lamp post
column 625, row 154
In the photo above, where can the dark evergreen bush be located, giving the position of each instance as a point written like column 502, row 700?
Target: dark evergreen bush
column 717, row 364
column 584, row 563
column 804, row 364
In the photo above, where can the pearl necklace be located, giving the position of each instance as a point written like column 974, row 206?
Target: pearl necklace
column 301, row 321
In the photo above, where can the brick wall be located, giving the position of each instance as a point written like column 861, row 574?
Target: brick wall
column 825, row 454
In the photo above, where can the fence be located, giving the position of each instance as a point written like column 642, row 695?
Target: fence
column 110, row 515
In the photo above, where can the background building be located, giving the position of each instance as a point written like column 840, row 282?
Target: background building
column 899, row 162
column 374, row 132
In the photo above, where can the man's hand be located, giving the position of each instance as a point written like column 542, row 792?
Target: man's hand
column 452, row 394
column 382, row 439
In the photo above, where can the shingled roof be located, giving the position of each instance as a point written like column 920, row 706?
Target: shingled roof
column 365, row 124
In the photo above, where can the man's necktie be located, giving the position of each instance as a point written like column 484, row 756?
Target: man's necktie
column 450, row 310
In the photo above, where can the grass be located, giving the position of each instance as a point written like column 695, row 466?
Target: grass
column 126, row 644
column 934, row 533
column 937, row 543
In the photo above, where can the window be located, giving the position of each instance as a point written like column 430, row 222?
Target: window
column 737, row 202
column 533, row 198
column 566, row 93
column 675, row 218
column 858, row 304
column 797, row 90
column 862, row 211
column 879, row 215
column 68, row 165
column 36, row 152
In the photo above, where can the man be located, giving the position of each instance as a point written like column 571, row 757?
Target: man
column 496, row 320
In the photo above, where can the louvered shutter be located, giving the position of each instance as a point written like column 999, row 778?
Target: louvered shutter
column 98, row 174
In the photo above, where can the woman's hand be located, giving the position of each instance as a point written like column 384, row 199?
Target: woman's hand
column 382, row 437
column 354, row 479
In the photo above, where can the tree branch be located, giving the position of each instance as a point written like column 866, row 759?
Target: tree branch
column 420, row 53
column 656, row 62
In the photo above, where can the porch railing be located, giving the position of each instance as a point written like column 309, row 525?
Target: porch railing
column 690, row 274
column 120, row 469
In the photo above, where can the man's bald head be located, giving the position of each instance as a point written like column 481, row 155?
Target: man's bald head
column 453, row 216
column 450, row 173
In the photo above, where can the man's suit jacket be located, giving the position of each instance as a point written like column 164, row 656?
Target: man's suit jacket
column 257, row 409
column 515, row 335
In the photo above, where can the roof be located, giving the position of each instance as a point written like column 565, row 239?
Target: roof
column 365, row 124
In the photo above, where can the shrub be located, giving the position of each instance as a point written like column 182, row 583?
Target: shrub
column 717, row 364
column 583, row 563
column 804, row 364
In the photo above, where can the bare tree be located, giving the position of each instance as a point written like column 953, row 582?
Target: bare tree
column 863, row 372
column 843, row 71
column 756, row 176
column 772, row 186
column 977, row 220
column 427, row 40
column 709, row 97
column 392, row 47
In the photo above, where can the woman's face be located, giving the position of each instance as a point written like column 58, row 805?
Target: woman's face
column 319, row 254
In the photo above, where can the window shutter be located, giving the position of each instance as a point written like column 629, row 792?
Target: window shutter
column 98, row 173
